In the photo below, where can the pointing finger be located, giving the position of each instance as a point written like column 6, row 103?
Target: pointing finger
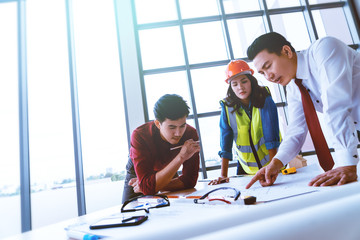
column 252, row 181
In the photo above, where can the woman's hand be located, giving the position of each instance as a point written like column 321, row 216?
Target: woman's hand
column 219, row 180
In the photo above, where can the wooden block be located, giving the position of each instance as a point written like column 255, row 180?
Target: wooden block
column 298, row 162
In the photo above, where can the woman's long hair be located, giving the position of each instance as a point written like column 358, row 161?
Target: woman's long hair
column 257, row 96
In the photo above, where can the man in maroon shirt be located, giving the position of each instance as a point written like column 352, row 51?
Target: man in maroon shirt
column 152, row 165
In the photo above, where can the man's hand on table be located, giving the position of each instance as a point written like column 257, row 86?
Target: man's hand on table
column 337, row 176
column 135, row 184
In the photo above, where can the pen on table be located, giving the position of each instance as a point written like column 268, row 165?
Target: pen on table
column 179, row 146
column 204, row 180
column 73, row 234
column 189, row 197
column 237, row 176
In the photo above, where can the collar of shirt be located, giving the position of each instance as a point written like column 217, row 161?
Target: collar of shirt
column 302, row 71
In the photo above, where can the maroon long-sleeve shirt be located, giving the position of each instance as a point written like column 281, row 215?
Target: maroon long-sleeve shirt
column 150, row 154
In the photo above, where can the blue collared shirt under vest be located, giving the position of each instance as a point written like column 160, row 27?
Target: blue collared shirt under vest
column 270, row 123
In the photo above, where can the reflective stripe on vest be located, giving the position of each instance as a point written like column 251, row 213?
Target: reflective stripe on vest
column 240, row 126
column 247, row 149
column 254, row 164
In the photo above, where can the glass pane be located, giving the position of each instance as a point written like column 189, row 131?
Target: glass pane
column 210, row 139
column 157, row 85
column 50, row 123
column 148, row 11
column 204, row 42
column 243, row 32
column 198, row 8
column 235, row 6
column 328, row 25
column 284, row 24
column 209, row 82
column 161, row 48
column 9, row 123
column 191, row 122
column 322, row 1
column 282, row 3
column 103, row 128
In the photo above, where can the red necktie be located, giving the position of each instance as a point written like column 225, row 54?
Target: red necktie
column 317, row 136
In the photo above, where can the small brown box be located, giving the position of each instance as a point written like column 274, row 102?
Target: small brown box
column 298, row 162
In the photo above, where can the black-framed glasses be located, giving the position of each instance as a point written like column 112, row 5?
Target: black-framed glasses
column 224, row 194
column 145, row 202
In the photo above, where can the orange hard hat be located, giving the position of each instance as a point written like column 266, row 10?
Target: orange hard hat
column 237, row 67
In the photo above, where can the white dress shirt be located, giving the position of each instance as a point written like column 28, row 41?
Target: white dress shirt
column 330, row 71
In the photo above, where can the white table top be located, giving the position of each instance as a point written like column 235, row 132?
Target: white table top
column 184, row 219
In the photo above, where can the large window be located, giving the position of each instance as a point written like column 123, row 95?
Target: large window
column 9, row 123
column 103, row 131
column 184, row 48
column 50, row 124
column 58, row 32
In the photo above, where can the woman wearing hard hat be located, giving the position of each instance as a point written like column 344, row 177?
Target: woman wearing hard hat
column 249, row 119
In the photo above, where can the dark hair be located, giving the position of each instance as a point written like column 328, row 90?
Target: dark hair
column 170, row 106
column 272, row 42
column 257, row 96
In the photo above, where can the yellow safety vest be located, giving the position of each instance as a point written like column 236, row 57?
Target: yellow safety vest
column 240, row 125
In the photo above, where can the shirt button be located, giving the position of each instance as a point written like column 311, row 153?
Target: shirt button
column 355, row 122
column 355, row 156
column 317, row 101
column 308, row 90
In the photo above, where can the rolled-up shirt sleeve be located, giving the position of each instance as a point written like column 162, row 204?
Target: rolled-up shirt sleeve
column 226, row 135
column 270, row 124
column 190, row 171
column 143, row 164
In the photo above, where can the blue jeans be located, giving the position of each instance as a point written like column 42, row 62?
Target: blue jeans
column 128, row 191
column 240, row 170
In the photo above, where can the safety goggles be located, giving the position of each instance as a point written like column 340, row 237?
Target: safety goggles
column 227, row 195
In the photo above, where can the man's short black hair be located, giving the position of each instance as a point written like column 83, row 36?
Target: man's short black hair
column 170, row 106
column 272, row 42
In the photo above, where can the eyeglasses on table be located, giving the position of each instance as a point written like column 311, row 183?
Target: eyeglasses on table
column 145, row 202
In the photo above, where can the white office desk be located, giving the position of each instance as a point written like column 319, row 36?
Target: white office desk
column 56, row 231
column 184, row 219
column 331, row 220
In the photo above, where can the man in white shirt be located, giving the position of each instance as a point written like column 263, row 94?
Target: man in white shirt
column 330, row 71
